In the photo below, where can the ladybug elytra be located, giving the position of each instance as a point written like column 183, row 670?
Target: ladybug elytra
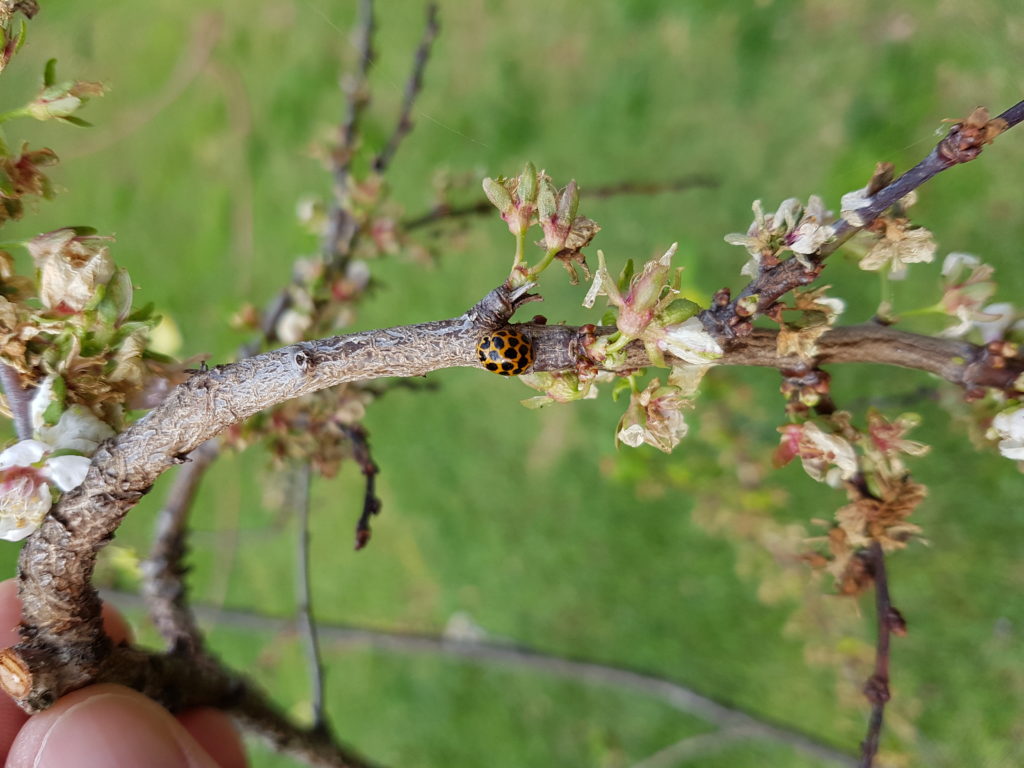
column 506, row 352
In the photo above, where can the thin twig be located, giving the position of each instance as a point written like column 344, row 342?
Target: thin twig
column 164, row 570
column 337, row 637
column 958, row 146
column 412, row 90
column 19, row 401
column 341, row 226
column 359, row 438
column 445, row 212
column 302, row 478
column 877, row 688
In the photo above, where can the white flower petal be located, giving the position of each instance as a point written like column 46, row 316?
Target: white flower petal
column 66, row 472
column 23, row 454
column 595, row 289
column 24, row 503
column 79, row 429
column 956, row 259
column 689, row 341
column 41, row 401
column 1008, row 427
column 1003, row 314
column 633, row 435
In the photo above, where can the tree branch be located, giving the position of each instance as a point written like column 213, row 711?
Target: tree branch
column 371, row 503
column 19, row 401
column 679, row 697
column 412, row 91
column 304, row 608
column 443, row 212
column 960, row 145
column 341, row 227
column 163, row 571
column 877, row 688
column 63, row 643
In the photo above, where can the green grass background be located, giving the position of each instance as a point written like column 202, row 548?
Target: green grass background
column 530, row 522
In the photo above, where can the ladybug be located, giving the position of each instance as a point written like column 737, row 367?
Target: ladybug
column 506, row 352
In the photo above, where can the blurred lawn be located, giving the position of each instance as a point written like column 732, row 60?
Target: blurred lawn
column 527, row 521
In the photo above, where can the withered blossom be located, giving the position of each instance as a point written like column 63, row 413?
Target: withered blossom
column 654, row 416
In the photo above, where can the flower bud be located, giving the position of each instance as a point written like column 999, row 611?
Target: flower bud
column 498, row 195
column 547, row 202
column 526, row 190
column 568, row 203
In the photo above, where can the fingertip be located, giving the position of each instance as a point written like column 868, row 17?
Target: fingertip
column 106, row 726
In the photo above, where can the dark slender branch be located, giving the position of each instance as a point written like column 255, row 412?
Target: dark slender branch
column 164, row 570
column 371, row 503
column 338, row 637
column 961, row 144
column 302, row 479
column 341, row 226
column 412, row 90
column 184, row 681
column 443, row 212
column 877, row 688
column 19, row 401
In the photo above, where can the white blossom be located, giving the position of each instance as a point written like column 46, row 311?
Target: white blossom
column 813, row 231
column 78, row 428
column 633, row 435
column 690, row 341
column 1008, row 428
column 1000, row 316
column 819, row 450
column 956, row 260
column 25, row 480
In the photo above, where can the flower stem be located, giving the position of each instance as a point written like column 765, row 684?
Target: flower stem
column 520, row 249
column 544, row 263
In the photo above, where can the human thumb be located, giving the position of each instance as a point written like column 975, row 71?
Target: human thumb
column 106, row 726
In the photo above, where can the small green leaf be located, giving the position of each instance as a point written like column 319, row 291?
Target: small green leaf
column 621, row 385
column 142, row 314
column 6, row 184
column 22, row 31
column 50, row 73
column 626, row 276
column 76, row 121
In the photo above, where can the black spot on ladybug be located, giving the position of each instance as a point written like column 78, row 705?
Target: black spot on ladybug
column 498, row 342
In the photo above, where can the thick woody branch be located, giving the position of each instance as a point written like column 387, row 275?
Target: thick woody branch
column 63, row 643
column 63, row 646
column 183, row 681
